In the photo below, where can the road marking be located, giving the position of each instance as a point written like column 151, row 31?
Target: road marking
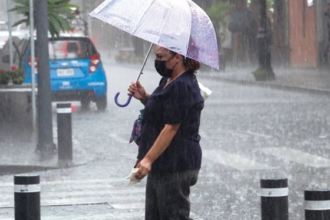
column 76, row 192
column 259, row 134
column 108, row 216
column 119, row 215
column 128, row 206
column 122, row 201
column 71, row 197
column 234, row 161
column 86, row 200
column 297, row 156
column 76, row 182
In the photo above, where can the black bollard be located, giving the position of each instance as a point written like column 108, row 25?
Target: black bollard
column 317, row 204
column 274, row 199
column 27, row 197
column 64, row 132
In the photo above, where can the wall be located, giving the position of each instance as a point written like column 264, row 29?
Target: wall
column 302, row 34
column 15, row 104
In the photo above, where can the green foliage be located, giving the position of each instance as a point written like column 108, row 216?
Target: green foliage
column 262, row 74
column 4, row 77
column 270, row 3
column 218, row 13
column 59, row 14
column 16, row 75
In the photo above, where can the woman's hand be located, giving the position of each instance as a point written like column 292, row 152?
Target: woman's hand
column 160, row 145
column 137, row 90
column 144, row 168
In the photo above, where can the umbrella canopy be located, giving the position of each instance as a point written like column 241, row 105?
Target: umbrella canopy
column 178, row 25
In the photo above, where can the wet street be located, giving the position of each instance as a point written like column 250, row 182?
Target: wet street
column 248, row 133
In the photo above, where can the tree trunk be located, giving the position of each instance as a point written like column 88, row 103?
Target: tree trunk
column 264, row 39
column 45, row 145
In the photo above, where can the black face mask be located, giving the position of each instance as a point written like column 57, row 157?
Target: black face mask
column 161, row 68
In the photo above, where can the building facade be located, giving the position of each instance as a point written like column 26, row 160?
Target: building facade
column 308, row 33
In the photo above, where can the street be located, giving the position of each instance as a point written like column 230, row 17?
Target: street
column 248, row 133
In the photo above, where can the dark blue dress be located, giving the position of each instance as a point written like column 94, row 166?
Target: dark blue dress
column 179, row 102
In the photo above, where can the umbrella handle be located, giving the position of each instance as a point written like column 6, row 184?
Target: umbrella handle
column 130, row 97
column 122, row 105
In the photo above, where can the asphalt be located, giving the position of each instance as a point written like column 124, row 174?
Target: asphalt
column 18, row 142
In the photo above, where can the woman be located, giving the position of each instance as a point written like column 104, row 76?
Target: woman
column 169, row 151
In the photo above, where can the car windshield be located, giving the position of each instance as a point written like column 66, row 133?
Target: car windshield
column 69, row 49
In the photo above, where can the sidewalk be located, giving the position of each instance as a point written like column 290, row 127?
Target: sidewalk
column 18, row 150
column 304, row 80
column 17, row 145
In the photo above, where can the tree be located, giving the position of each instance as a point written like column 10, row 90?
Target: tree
column 60, row 12
column 264, row 38
column 218, row 13
column 57, row 12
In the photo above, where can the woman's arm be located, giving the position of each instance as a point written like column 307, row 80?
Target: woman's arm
column 145, row 98
column 162, row 142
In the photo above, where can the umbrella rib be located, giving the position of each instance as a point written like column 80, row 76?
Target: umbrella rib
column 137, row 25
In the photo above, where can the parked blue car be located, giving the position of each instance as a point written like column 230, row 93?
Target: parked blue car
column 76, row 71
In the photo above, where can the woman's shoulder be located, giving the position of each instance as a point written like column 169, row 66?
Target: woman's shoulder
column 189, row 78
column 187, row 82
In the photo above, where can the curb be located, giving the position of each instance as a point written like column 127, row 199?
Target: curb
column 52, row 163
column 15, row 169
column 273, row 85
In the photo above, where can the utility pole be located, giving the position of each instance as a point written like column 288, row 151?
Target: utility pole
column 10, row 23
column 33, row 90
column 45, row 145
column 264, row 38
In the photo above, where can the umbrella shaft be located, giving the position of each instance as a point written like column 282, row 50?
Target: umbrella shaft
column 144, row 62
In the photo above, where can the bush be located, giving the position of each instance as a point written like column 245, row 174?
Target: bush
column 4, row 77
column 16, row 75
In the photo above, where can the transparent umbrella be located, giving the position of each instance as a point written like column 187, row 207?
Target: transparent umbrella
column 178, row 25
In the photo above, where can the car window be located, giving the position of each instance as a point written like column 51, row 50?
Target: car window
column 69, row 49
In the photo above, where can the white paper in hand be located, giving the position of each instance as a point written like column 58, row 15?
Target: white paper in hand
column 132, row 179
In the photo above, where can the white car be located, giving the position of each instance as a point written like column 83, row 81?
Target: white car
column 18, row 31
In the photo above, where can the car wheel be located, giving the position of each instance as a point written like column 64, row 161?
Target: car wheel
column 101, row 103
column 85, row 103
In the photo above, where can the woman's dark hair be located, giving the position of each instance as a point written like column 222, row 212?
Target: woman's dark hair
column 190, row 64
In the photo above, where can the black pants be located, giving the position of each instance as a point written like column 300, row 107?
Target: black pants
column 167, row 195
